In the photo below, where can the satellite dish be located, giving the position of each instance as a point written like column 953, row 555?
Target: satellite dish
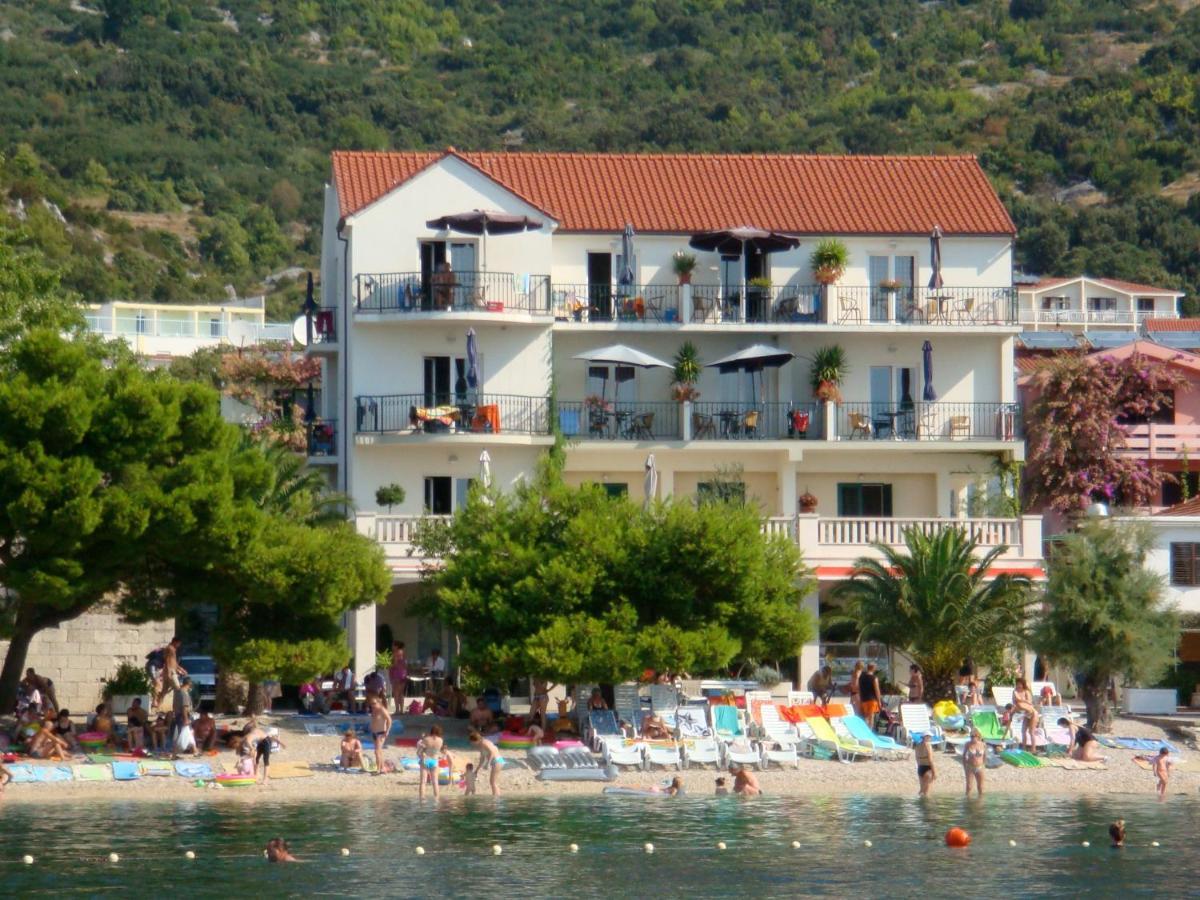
column 300, row 331
column 241, row 333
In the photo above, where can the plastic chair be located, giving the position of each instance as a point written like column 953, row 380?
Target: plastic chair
column 859, row 424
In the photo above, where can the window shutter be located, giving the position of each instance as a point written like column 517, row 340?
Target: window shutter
column 1183, row 564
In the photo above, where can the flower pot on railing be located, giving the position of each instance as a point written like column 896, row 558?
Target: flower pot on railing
column 807, row 502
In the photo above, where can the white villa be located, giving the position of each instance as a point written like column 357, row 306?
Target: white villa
column 397, row 406
column 1083, row 303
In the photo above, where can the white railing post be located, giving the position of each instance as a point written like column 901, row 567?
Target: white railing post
column 364, row 524
column 808, row 536
column 685, row 303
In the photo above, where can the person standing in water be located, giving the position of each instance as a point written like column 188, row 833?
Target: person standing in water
column 381, row 726
column 1162, row 771
column 429, row 752
column 926, row 774
column 974, row 761
column 1116, row 831
column 489, row 759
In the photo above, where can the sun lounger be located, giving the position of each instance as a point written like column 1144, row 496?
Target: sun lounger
column 855, row 728
column 663, row 753
column 602, row 724
column 727, row 722
column 915, row 723
column 626, row 702
column 701, row 751
column 663, row 697
column 990, row 728
column 693, row 722
column 845, row 749
column 619, row 752
column 126, row 771
column 799, row 698
column 1037, row 737
column 1002, row 695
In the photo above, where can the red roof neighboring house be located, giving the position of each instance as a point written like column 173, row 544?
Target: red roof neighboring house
column 1186, row 508
column 688, row 192
column 1172, row 324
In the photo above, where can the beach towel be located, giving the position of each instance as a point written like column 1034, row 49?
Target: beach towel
column 22, row 774
column 1130, row 743
column 322, row 729
column 291, row 770
column 126, row 771
column 93, row 772
column 1068, row 763
column 1021, row 759
column 1178, row 764
column 101, row 759
column 156, row 767
column 193, row 769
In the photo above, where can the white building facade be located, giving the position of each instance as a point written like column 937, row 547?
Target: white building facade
column 1083, row 303
column 394, row 324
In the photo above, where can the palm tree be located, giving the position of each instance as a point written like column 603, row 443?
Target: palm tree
column 934, row 601
column 297, row 491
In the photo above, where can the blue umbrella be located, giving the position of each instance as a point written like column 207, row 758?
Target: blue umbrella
column 625, row 276
column 935, row 259
column 929, row 394
column 472, row 360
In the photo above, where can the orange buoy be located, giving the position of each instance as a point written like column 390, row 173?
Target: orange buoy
column 957, row 837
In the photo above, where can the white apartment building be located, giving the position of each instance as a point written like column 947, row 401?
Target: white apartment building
column 399, row 408
column 1083, row 304
column 164, row 331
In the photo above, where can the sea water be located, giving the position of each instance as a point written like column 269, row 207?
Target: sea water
column 907, row 856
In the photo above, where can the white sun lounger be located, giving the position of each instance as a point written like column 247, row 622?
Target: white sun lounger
column 663, row 754
column 800, row 698
column 693, row 722
column 702, row 751
column 1002, row 695
column 916, row 723
column 618, row 753
column 601, row 725
column 663, row 697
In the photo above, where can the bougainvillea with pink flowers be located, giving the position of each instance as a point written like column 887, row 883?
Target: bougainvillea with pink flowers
column 1075, row 435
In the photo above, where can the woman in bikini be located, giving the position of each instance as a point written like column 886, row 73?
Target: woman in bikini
column 974, row 761
column 429, row 750
column 1023, row 702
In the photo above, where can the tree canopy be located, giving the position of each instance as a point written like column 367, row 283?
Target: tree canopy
column 1105, row 615
column 935, row 600
column 569, row 584
column 1075, row 433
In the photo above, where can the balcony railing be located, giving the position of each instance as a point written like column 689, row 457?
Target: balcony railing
column 1160, row 440
column 147, row 327
column 322, row 438
column 929, row 421
column 822, row 539
column 622, row 303
column 749, row 421
column 449, row 414
column 924, row 306
column 782, row 304
column 1092, row 316
column 466, row 291
column 619, row 421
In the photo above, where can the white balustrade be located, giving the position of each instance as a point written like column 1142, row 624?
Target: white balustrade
column 890, row 531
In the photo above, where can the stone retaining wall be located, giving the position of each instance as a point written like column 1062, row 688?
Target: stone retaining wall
column 78, row 654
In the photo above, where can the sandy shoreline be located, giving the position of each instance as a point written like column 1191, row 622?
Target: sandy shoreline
column 813, row 778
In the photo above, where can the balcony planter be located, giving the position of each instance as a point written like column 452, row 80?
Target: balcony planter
column 807, row 502
column 683, row 264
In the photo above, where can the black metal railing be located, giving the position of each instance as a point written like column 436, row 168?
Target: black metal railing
column 616, row 303
column 466, row 291
column 322, row 438
column 858, row 304
column 712, row 420
column 323, row 326
column 929, row 421
column 624, row 421
column 469, row 413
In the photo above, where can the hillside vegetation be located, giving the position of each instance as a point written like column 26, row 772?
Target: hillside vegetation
column 166, row 148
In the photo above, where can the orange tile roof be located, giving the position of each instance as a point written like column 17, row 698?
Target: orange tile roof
column 1128, row 287
column 1186, row 508
column 1173, row 324
column 682, row 193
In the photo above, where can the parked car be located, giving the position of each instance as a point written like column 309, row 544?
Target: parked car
column 203, row 672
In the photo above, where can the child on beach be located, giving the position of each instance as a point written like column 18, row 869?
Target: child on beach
column 135, row 718
column 489, row 758
column 926, row 774
column 429, row 751
column 469, row 776
column 262, row 752
column 351, row 750
column 245, row 763
column 1162, row 770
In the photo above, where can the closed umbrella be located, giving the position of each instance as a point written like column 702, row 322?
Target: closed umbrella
column 472, row 360
column 651, row 482
column 484, row 222
column 928, row 394
column 728, row 241
column 935, row 258
column 310, row 310
column 485, row 470
column 626, row 275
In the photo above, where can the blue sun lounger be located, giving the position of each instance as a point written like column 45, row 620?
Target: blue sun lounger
column 858, row 729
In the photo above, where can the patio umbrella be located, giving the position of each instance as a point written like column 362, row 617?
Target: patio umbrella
column 485, row 470
column 935, row 258
column 928, row 394
column 728, row 241
column 625, row 276
column 752, row 359
column 651, row 483
column 484, row 222
column 472, row 360
column 621, row 355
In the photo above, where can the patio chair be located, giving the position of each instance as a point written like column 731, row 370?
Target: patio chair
column 848, row 309
column 859, row 424
column 960, row 427
column 626, row 701
column 703, row 426
column 847, row 749
column 602, row 724
column 641, row 426
column 915, row 723
column 702, row 751
column 750, row 423
column 964, row 310
column 703, row 307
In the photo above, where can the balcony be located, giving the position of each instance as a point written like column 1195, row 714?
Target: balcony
column 922, row 421
column 713, row 421
column 635, row 303
column 322, row 440
column 1084, row 317
column 402, row 293
column 612, row 421
column 831, row 544
column 860, row 305
column 434, row 414
column 181, row 336
column 1156, row 440
column 323, row 327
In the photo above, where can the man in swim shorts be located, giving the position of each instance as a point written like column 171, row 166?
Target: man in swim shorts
column 381, row 724
column 172, row 671
column 869, row 694
column 745, row 784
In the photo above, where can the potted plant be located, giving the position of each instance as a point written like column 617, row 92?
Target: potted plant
column 889, row 285
column 130, row 682
column 829, row 260
column 683, row 263
column 390, row 495
column 807, row 501
column 827, row 372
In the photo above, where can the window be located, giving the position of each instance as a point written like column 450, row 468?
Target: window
column 858, row 499
column 1102, row 304
column 615, row 490
column 1145, row 304
column 720, row 491
column 214, row 327
column 1056, row 304
column 1185, row 564
column 141, row 323
column 439, row 495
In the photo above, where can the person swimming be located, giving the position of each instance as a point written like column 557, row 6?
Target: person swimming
column 1116, row 831
column 279, row 852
